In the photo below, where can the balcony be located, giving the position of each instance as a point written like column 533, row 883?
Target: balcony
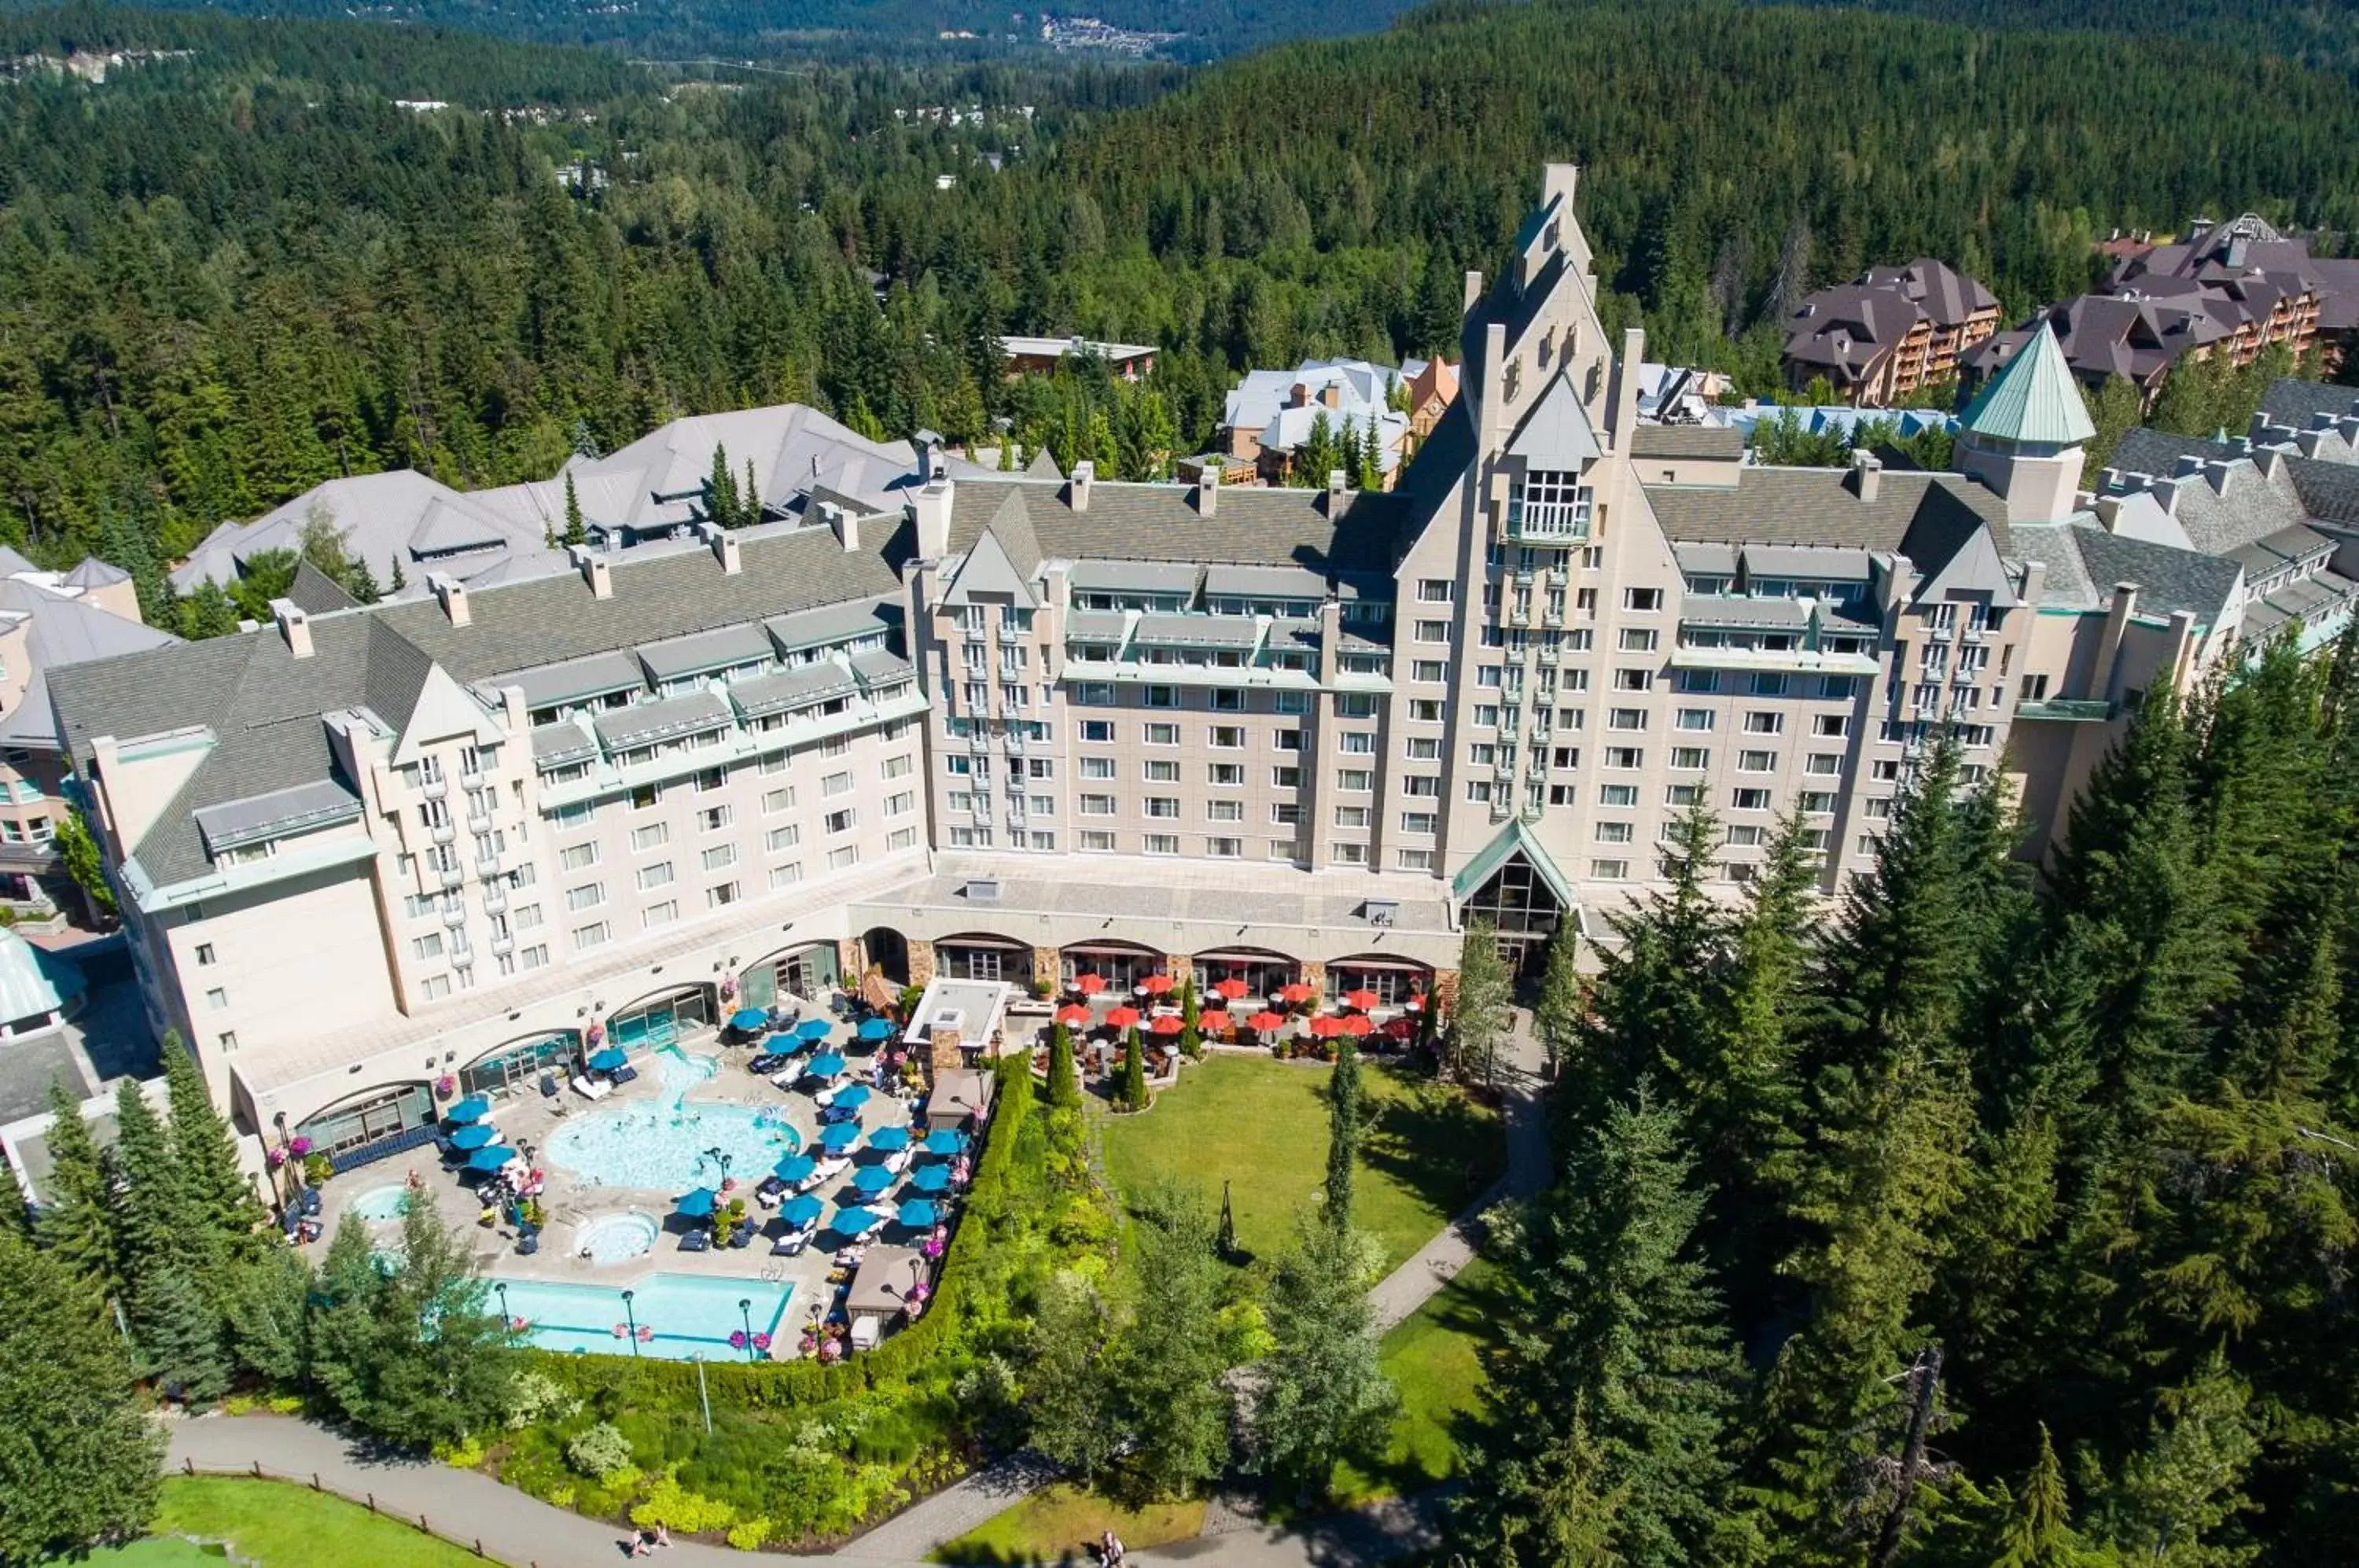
column 1015, row 743
column 454, row 917
column 1532, row 808
column 434, row 788
column 2066, row 710
column 471, row 780
column 487, row 866
column 451, row 877
column 502, row 946
column 479, row 821
column 443, row 833
column 978, row 742
column 495, row 899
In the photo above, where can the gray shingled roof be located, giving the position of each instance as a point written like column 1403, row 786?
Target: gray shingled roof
column 1133, row 577
column 831, row 624
column 315, row 593
column 2168, row 580
column 2329, row 491
column 875, row 667
column 1197, row 631
column 792, row 688
column 2156, row 453
column 1922, row 516
column 706, row 651
column 576, row 679
column 2295, row 403
column 648, row 722
column 1139, row 523
column 1264, row 582
column 1687, row 441
column 556, row 745
column 1095, row 625
column 258, row 817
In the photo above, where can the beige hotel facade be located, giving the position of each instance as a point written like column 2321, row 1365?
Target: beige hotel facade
column 1016, row 727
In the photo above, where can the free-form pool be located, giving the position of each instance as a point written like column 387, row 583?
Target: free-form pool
column 379, row 1204
column 683, row 1314
column 616, row 1238
column 671, row 1146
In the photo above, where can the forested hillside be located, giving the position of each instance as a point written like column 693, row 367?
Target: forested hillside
column 225, row 278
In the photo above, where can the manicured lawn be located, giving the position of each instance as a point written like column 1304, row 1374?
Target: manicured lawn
column 279, row 1526
column 1433, row 1358
column 1261, row 1125
column 1058, row 1524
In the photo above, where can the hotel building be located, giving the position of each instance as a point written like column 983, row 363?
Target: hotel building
column 1008, row 726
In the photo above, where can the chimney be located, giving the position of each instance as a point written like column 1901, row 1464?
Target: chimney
column 929, row 513
column 724, row 546
column 1298, row 395
column 1474, row 292
column 2259, row 429
column 1335, row 477
column 1208, row 491
column 1332, row 395
column 1558, row 183
column 845, row 526
column 294, row 626
column 1866, row 476
column 930, row 465
column 595, row 570
column 2109, row 511
column 452, row 595
column 1077, row 489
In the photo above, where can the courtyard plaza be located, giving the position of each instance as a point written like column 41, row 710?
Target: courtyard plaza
column 612, row 1175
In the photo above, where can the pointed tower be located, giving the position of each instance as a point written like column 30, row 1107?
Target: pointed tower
column 2025, row 435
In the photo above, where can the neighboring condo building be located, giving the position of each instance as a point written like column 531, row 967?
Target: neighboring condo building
column 1015, row 726
column 1896, row 332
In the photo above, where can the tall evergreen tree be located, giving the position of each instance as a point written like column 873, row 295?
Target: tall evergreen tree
column 720, row 491
column 76, row 1222
column 1167, row 1360
column 1557, row 1014
column 226, row 1216
column 1613, row 1356
column 1322, row 1396
column 1064, row 1084
column 1478, row 1013
column 1344, row 1133
column 576, row 531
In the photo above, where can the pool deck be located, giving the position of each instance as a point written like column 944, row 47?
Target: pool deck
column 526, row 1120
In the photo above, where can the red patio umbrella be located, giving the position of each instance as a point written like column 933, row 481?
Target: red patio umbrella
column 1212, row 1020
column 1355, row 1023
column 1089, row 984
column 1294, row 991
column 1264, row 1021
column 1232, row 987
column 1073, row 1013
column 1122, row 1018
column 1360, row 1000
column 1327, row 1026
column 1170, row 1023
column 1156, row 984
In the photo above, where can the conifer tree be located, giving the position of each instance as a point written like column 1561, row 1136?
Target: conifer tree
column 576, row 531
column 2037, row 1531
column 1656, row 1008
column 1064, row 1086
column 76, row 1222
column 1558, row 1012
column 1322, row 1396
column 1478, row 1014
column 1343, row 1112
column 720, row 491
column 179, row 1328
column 749, row 499
column 225, row 1213
column 1134, row 1072
column 1617, row 1381
column 1190, row 1038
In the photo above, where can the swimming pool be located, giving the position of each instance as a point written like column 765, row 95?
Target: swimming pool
column 671, row 1146
column 379, row 1204
column 685, row 1315
column 617, row 1239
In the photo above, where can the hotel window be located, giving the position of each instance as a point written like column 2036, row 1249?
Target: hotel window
column 1286, row 777
column 1750, row 800
column 1164, row 807
column 1609, row 870
column 1432, row 631
column 1097, row 768
column 1744, row 835
column 661, row 914
column 1642, row 599
column 778, row 839
column 837, row 859
column 525, row 916
column 1417, row 821
column 1350, row 816
column 1355, row 705
column 1162, row 696
column 1689, row 757
column 1682, row 794
column 218, row 999
column 434, row 987
column 720, row 857
column 655, row 835
column 836, row 784
column 1162, row 734
column 654, row 876
column 1286, row 740
column 1478, row 790
column 1693, row 719
column 1617, row 794
column 1486, row 715
column 1699, row 682
column 726, row 893
column 1221, row 699
column 1289, row 701
column 785, row 876
column 1634, row 680
column 1768, row 685
column 1162, row 772
column 1226, row 738
column 1097, row 805
column 1425, row 711
column 1615, row 833
column 1225, row 848
column 900, row 805
column 1756, row 761
column 567, row 817
column 897, row 767
column 844, row 820
column 712, row 818
column 592, row 936
column 1099, row 843
column 1413, row 859
column 1349, row 854
column 579, row 858
column 1421, row 785
column 1097, row 729
column 1765, row 723
column 1162, row 843
column 776, row 762
column 205, row 951
column 1355, row 780
column 1430, row 670
column 1357, row 743
column 1639, row 639
column 1285, row 813
column 1817, row 802
column 535, row 956
column 1433, row 590
column 711, row 778
column 1823, row 763
column 1227, row 775
column 1422, row 748
column 1225, row 811
column 1624, row 757
column 587, row 896
column 1625, row 718
column 1831, row 726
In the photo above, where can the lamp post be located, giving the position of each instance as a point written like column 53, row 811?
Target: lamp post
column 746, row 1315
column 506, row 1317
column 631, row 1318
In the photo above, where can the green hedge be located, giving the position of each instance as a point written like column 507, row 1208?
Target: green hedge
column 644, row 1384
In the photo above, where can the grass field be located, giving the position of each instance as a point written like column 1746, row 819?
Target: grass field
column 1261, row 1125
column 1433, row 1358
column 1057, row 1524
column 278, row 1526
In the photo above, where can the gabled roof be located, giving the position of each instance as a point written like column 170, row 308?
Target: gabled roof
column 95, row 573
column 987, row 571
column 1513, row 839
column 315, row 593
column 1556, row 435
column 2033, row 401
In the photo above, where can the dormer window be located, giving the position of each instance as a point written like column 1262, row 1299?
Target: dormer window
column 1551, row 504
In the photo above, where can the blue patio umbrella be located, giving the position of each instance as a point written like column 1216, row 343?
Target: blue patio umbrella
column 839, row 1138
column 745, row 1020
column 474, row 1108
column 930, row 1178
column 491, row 1158
column 888, row 1138
column 608, row 1060
column 855, row 1222
column 875, row 1028
column 811, row 1029
column 872, row 1179
column 800, row 1210
column 826, row 1064
column 474, row 1136
column 851, row 1098
column 698, row 1204
column 944, row 1141
column 795, row 1168
column 918, row 1215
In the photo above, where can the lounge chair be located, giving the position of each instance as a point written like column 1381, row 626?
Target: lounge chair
column 625, row 1074
column 792, row 1243
column 527, row 1244
column 593, row 1088
column 548, row 1085
column 768, row 1193
column 697, row 1241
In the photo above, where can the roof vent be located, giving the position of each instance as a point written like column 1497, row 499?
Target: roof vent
column 981, row 890
column 1380, row 911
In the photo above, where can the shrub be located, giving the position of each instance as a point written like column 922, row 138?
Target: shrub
column 674, row 1507
column 747, row 1535
column 598, row 1452
column 535, row 1397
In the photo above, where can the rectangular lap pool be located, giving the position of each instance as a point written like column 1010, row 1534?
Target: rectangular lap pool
column 681, row 1316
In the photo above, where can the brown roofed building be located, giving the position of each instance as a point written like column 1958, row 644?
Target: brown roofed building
column 1898, row 329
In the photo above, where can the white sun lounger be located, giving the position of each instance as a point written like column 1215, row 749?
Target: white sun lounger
column 593, row 1088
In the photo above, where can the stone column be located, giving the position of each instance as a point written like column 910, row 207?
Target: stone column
column 921, row 962
column 1044, row 966
column 851, row 963
column 1314, row 974
column 945, row 1052
column 1180, row 966
column 1444, row 993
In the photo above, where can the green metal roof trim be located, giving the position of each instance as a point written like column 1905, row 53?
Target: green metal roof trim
column 1513, row 838
column 2035, row 399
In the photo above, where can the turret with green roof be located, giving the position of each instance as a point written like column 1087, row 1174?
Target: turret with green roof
column 2024, row 434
